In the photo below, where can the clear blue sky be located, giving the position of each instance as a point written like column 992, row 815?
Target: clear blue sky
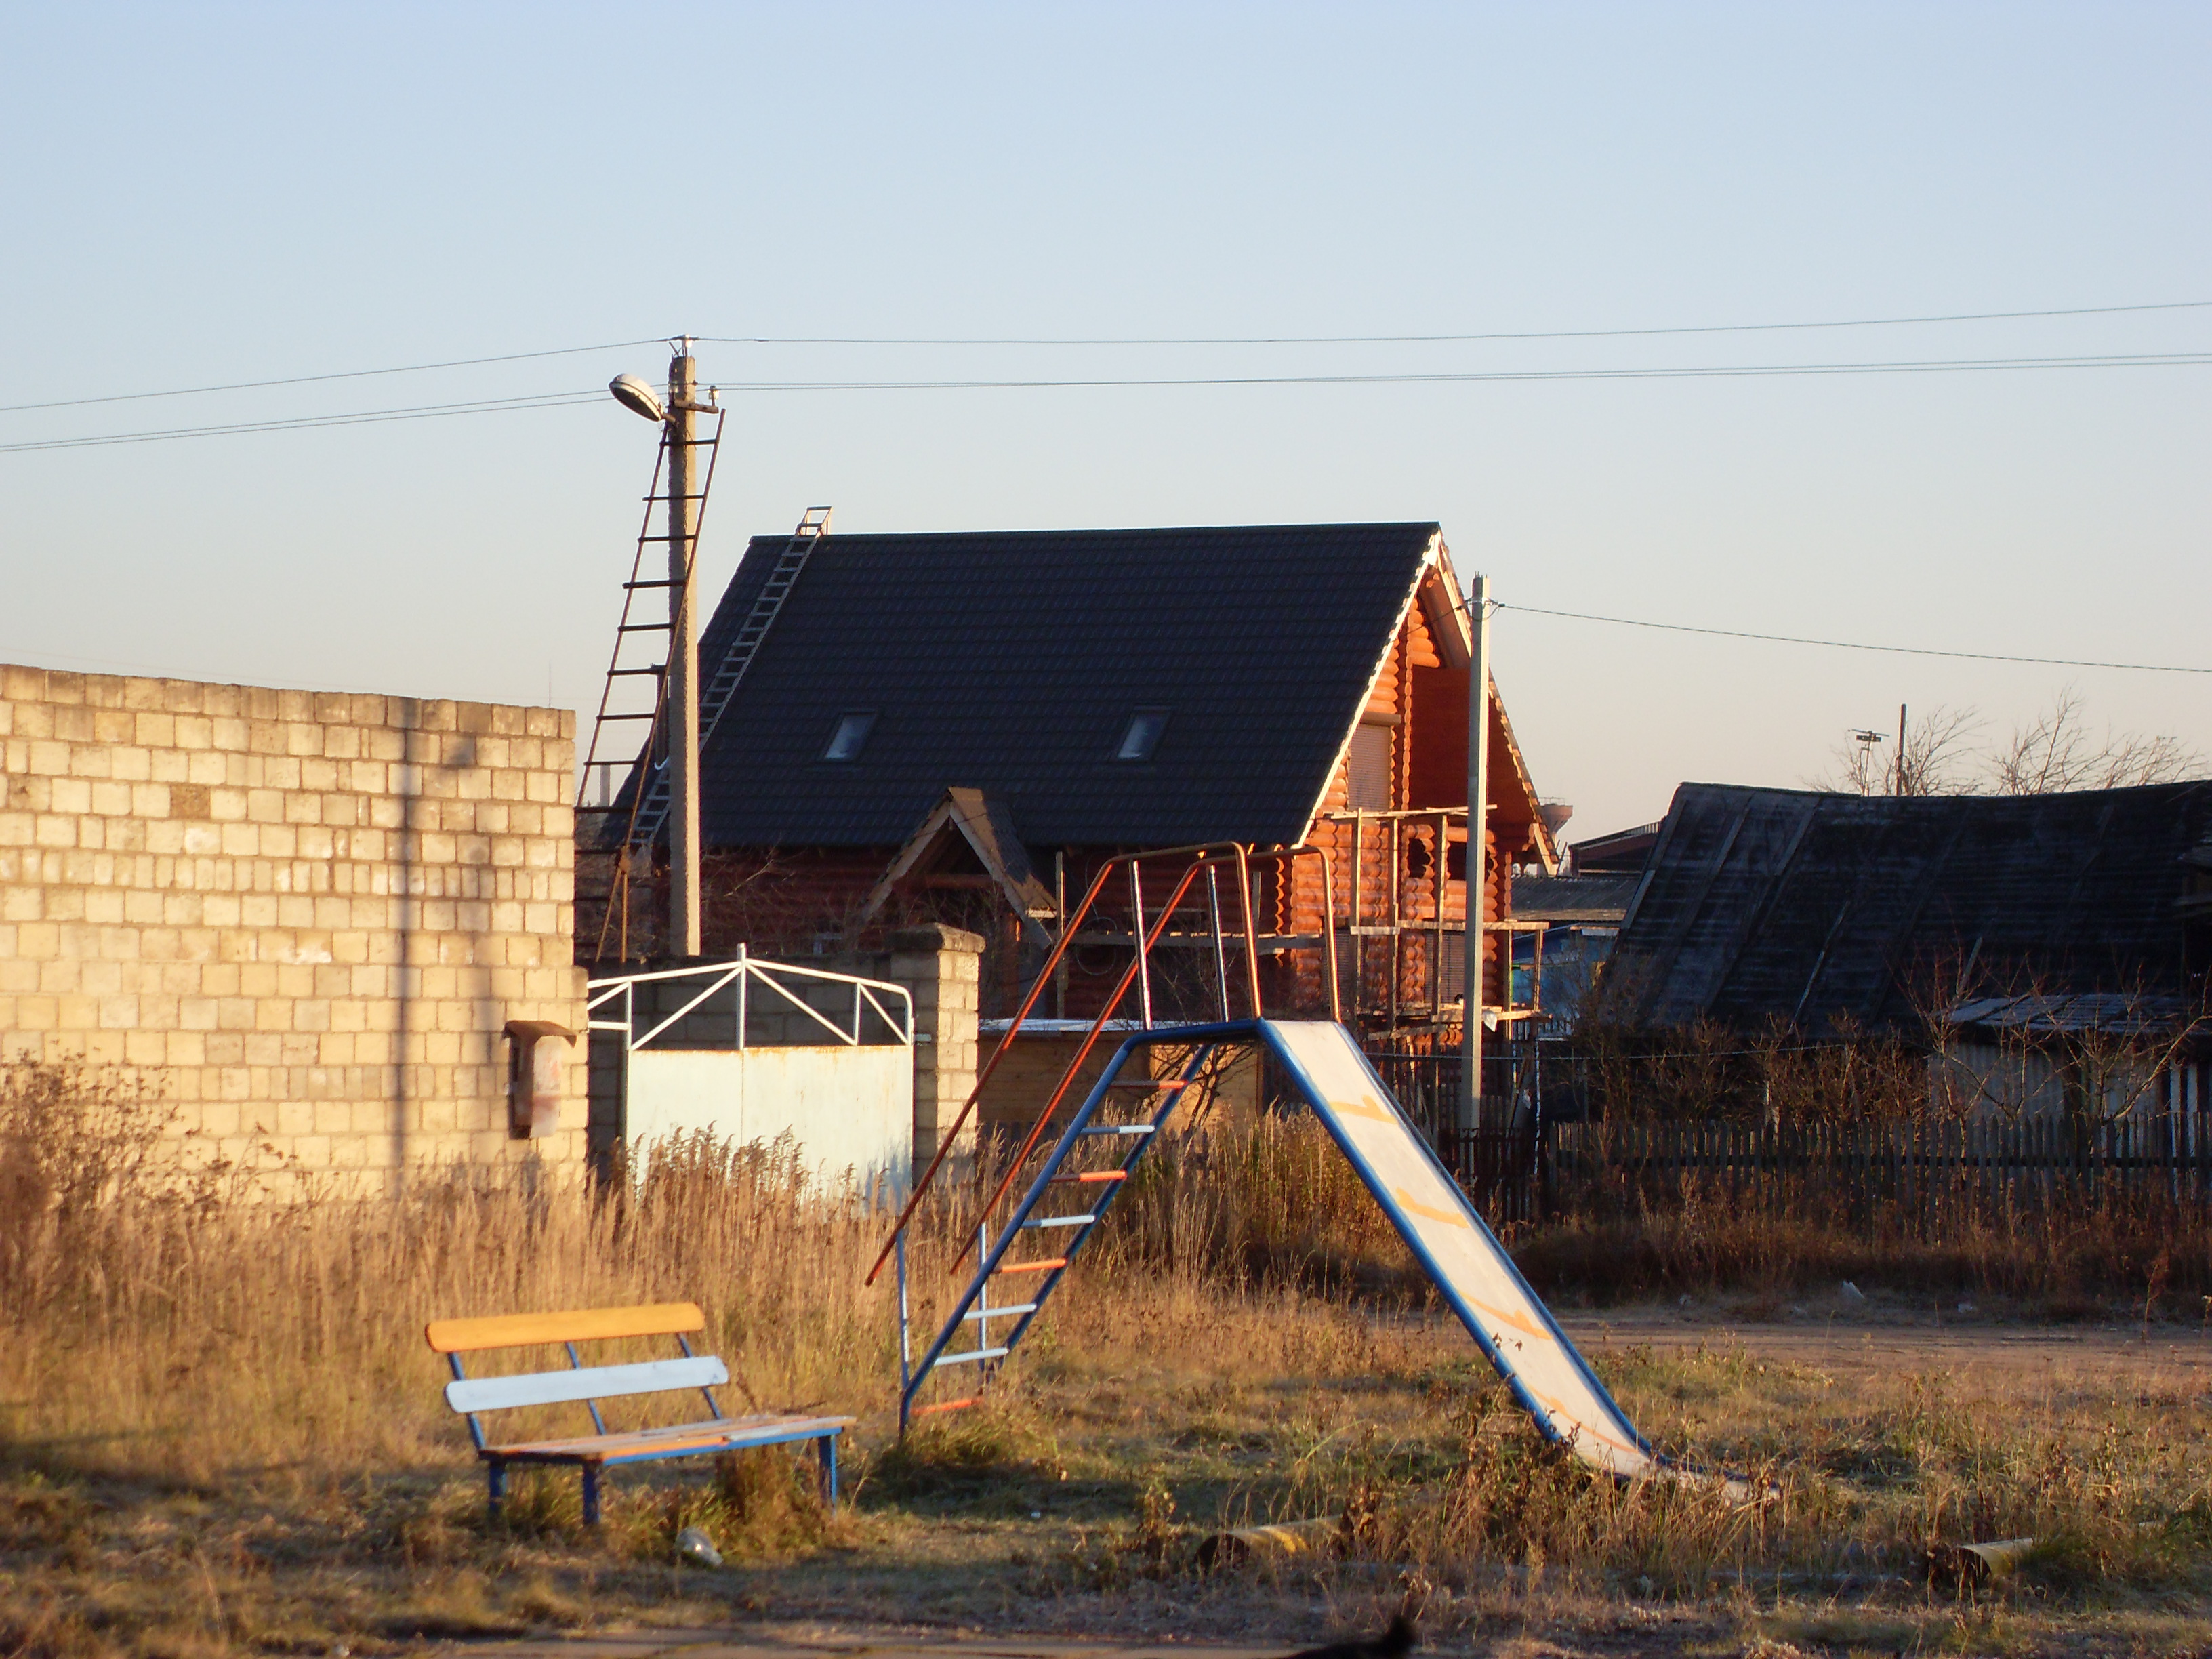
column 210, row 193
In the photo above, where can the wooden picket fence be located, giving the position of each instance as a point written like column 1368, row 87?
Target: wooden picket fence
column 1929, row 1177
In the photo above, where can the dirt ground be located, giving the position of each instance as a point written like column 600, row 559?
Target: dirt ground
column 1885, row 1337
column 1856, row 1343
column 1036, row 1548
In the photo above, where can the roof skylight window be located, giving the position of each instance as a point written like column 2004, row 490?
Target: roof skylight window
column 850, row 736
column 1142, row 735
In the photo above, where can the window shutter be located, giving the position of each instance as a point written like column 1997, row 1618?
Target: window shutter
column 1368, row 787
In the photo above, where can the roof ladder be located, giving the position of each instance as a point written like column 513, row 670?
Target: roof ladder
column 714, row 697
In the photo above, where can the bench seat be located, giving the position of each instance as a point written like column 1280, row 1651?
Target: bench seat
column 678, row 1440
column 590, row 1454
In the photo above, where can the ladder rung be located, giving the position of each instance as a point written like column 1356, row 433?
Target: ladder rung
column 1093, row 1175
column 1119, row 1129
column 642, row 627
column 994, row 1313
column 1162, row 1085
column 617, row 673
column 941, row 1405
column 1060, row 1221
column 1044, row 1266
column 658, row 584
column 972, row 1357
column 647, row 715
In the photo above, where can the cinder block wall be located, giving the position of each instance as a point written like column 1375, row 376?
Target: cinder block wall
column 310, row 915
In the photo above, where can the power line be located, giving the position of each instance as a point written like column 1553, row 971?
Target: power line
column 1738, row 371
column 1442, row 339
column 551, row 400
column 1102, row 340
column 363, row 417
column 1849, row 645
column 306, row 380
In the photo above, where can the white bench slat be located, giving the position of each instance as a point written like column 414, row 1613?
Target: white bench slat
column 492, row 1394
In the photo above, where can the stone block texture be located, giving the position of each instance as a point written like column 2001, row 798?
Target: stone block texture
column 311, row 916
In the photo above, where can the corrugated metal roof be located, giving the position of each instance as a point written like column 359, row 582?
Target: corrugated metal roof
column 1012, row 662
column 1760, row 902
column 1595, row 899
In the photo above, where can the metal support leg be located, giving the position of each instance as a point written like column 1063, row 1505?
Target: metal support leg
column 827, row 1445
column 495, row 1476
column 590, row 1495
column 906, row 1350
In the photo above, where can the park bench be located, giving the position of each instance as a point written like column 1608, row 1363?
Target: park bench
column 591, row 1453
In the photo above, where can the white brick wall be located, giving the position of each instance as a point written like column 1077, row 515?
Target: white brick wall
column 311, row 914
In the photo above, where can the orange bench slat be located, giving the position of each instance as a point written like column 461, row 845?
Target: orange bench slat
column 581, row 1325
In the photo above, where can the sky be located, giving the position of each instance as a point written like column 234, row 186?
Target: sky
column 209, row 194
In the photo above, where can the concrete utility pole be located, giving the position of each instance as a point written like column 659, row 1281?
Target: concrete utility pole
column 1478, row 859
column 682, row 679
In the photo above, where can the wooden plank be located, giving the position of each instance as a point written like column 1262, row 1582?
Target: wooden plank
column 585, row 1325
column 728, row 1431
column 494, row 1394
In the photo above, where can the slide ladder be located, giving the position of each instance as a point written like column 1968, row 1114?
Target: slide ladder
column 1086, row 1168
column 1322, row 1061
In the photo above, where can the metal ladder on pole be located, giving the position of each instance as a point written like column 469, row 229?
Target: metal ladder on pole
column 783, row 574
column 621, row 804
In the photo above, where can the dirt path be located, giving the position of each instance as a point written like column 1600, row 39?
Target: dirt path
column 1851, row 1342
column 824, row 1642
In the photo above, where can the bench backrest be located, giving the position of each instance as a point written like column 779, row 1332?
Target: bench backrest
column 469, row 1395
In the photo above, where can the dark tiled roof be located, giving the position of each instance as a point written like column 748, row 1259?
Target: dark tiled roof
column 1815, row 908
column 1010, row 662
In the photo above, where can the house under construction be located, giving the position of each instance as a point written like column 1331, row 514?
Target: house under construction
column 961, row 728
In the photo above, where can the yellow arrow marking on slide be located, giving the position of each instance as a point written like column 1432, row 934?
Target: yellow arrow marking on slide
column 1366, row 1106
column 1553, row 1404
column 1519, row 1322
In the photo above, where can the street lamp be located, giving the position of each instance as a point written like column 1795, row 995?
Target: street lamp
column 640, row 398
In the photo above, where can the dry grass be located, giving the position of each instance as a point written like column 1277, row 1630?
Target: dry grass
column 223, row 1432
column 2063, row 1261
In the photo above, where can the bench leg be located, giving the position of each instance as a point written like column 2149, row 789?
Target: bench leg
column 495, row 1474
column 590, row 1495
column 827, row 1445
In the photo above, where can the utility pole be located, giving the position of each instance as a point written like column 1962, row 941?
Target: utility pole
column 682, row 676
column 1478, row 861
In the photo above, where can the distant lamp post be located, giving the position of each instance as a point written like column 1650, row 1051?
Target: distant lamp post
column 1867, row 742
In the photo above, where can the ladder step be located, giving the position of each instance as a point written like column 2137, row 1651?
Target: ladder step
column 642, row 628
column 648, row 715
column 1119, row 1129
column 658, row 584
column 1044, row 1266
column 942, row 1405
column 971, row 1356
column 1060, row 1221
column 1088, row 1176
column 617, row 673
column 994, row 1313
column 1163, row 1086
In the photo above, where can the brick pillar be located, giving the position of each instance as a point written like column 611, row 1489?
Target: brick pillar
column 940, row 966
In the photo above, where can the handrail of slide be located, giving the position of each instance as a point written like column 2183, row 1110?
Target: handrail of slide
column 1208, row 857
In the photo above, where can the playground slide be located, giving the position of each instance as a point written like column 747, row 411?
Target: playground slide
column 1553, row 1383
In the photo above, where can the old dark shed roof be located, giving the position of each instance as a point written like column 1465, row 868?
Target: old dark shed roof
column 1011, row 663
column 1816, row 907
